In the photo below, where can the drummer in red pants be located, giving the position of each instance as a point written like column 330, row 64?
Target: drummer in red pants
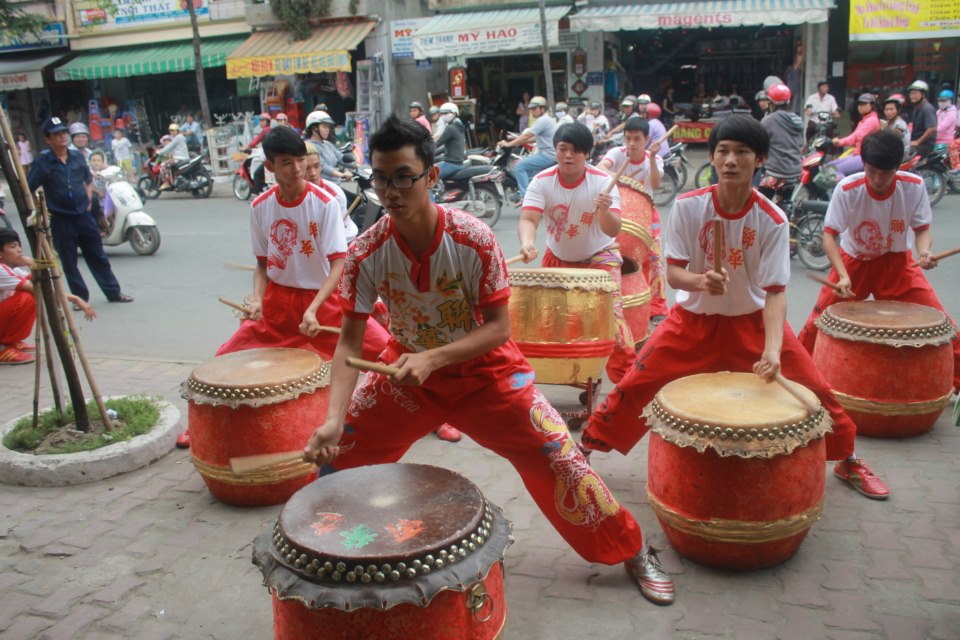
column 871, row 213
column 582, row 222
column 443, row 279
column 733, row 320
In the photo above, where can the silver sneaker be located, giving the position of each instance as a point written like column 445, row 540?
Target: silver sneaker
column 655, row 585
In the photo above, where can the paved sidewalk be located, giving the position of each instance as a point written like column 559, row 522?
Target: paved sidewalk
column 151, row 555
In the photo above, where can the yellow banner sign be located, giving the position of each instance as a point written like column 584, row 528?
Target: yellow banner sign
column 285, row 65
column 903, row 19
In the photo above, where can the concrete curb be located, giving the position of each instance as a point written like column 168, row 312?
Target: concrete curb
column 57, row 470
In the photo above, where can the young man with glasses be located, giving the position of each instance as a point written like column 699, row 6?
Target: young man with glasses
column 443, row 278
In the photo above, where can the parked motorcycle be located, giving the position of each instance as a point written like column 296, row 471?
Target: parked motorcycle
column 805, row 217
column 243, row 178
column 366, row 212
column 129, row 222
column 189, row 176
column 933, row 169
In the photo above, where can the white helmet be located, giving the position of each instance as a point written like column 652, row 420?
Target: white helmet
column 449, row 107
column 644, row 99
column 318, row 117
column 919, row 85
column 78, row 127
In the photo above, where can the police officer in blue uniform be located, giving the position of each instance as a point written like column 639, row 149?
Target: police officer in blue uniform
column 67, row 185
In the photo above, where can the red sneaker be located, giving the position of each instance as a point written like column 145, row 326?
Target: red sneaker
column 183, row 440
column 859, row 476
column 448, row 433
column 12, row 355
column 25, row 346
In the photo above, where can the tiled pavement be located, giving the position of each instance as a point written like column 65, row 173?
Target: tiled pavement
column 152, row 555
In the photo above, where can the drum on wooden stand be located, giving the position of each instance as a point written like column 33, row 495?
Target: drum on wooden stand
column 384, row 552
column 890, row 364
column 736, row 468
column 636, row 242
column 562, row 321
column 255, row 402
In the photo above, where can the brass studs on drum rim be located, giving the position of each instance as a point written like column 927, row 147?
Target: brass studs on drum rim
column 712, row 432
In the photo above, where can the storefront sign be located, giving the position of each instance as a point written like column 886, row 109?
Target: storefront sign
column 322, row 62
column 595, row 78
column 24, row 80
column 90, row 15
column 692, row 131
column 401, row 36
column 903, row 19
column 489, row 40
column 458, row 82
column 52, row 36
column 579, row 62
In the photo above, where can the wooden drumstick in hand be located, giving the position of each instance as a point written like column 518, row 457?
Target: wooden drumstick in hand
column 664, row 137
column 376, row 367
column 514, row 260
column 239, row 307
column 717, row 245
column 248, row 465
column 824, row 281
column 811, row 407
column 940, row 256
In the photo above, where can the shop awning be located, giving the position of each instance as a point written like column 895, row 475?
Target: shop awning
column 690, row 15
column 139, row 61
column 270, row 53
column 454, row 34
column 25, row 73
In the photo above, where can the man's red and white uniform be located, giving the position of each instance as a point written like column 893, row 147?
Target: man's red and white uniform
column 704, row 333
column 654, row 270
column 335, row 190
column 875, row 245
column 297, row 241
column 436, row 299
column 18, row 310
column 575, row 240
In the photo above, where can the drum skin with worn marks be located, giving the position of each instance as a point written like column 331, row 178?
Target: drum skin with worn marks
column 735, row 469
column 890, row 364
column 562, row 321
column 383, row 552
column 255, row 402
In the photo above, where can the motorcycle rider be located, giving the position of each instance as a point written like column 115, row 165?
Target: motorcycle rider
column 79, row 139
column 785, row 159
column 946, row 119
column 869, row 122
column 416, row 113
column 819, row 102
column 652, row 112
column 543, row 129
column 177, row 149
column 257, row 174
column 562, row 112
column 592, row 118
column 453, row 139
column 317, row 129
column 761, row 105
column 922, row 117
column 892, row 120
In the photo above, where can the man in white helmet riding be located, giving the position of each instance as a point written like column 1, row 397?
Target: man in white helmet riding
column 542, row 131
column 453, row 139
column 923, row 117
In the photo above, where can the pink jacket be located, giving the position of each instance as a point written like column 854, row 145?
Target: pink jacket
column 946, row 124
column 868, row 124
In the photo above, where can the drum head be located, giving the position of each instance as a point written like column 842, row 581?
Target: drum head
column 548, row 278
column 887, row 314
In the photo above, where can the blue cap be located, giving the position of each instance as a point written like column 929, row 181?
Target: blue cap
column 53, row 125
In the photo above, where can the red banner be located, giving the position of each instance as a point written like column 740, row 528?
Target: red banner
column 692, row 131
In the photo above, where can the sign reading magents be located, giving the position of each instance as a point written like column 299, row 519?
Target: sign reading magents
column 91, row 16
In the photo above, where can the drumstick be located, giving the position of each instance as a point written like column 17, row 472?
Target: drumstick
column 376, row 367
column 616, row 177
column 786, row 384
column 941, row 255
column 717, row 245
column 823, row 281
column 246, row 465
column 330, row 329
column 356, row 201
column 238, row 307
column 514, row 260
column 236, row 266
column 666, row 135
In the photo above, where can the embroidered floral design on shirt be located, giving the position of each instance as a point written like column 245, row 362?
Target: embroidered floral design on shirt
column 455, row 313
column 870, row 238
column 557, row 220
column 283, row 236
column 429, row 337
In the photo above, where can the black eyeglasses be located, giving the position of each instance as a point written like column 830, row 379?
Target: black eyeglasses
column 400, row 182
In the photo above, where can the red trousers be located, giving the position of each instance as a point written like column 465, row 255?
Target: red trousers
column 892, row 276
column 688, row 343
column 17, row 315
column 493, row 400
column 283, row 309
column 608, row 260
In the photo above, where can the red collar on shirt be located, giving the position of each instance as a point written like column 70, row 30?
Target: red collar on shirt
column 583, row 176
column 731, row 216
column 881, row 196
column 420, row 267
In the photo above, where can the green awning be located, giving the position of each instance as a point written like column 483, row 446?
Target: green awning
column 139, row 61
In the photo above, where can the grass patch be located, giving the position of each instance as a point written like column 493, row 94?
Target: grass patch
column 55, row 433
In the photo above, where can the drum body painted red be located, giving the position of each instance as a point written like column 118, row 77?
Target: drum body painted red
column 751, row 460
column 636, row 242
column 267, row 419
column 635, row 295
column 891, row 386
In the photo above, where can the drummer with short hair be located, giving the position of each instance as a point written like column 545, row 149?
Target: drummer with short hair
column 442, row 276
column 646, row 167
column 865, row 235
column 582, row 223
column 734, row 319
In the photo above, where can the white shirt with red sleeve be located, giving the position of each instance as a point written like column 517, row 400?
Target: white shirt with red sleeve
column 12, row 279
column 871, row 224
column 434, row 300
column 298, row 239
column 349, row 226
column 573, row 231
column 639, row 171
column 756, row 250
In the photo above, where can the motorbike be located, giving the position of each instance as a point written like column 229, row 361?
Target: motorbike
column 476, row 190
column 805, row 217
column 4, row 223
column 189, row 176
column 129, row 222
column 932, row 168
column 243, row 178
column 674, row 176
column 366, row 212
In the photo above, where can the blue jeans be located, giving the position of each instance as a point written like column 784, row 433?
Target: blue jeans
column 449, row 168
column 530, row 166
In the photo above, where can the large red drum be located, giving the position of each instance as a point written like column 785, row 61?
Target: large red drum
column 255, row 402
column 736, row 468
column 636, row 224
column 890, row 364
column 635, row 296
column 385, row 552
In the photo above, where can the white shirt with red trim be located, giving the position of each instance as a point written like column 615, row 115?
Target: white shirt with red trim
column 756, row 250
column 573, row 231
column 12, row 280
column 298, row 239
column 639, row 171
column 349, row 226
column 434, row 300
column 871, row 224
